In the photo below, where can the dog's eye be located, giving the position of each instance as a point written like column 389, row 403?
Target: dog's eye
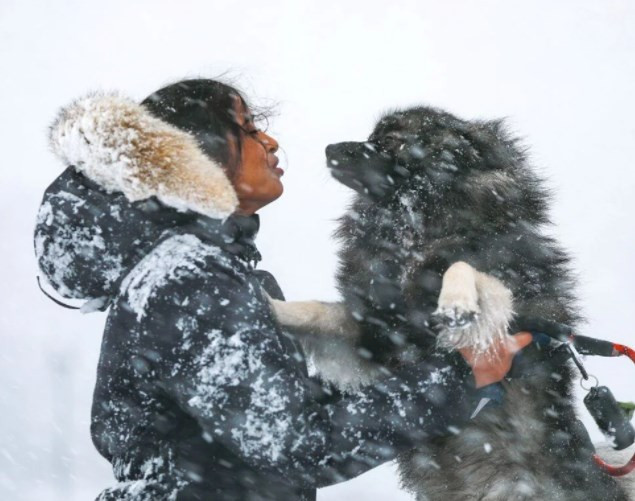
column 390, row 142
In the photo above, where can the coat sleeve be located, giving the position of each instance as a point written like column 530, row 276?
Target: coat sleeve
column 221, row 359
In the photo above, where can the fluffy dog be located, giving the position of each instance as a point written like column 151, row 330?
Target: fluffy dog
column 439, row 195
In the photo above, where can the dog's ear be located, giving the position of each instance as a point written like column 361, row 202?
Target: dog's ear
column 504, row 182
column 496, row 148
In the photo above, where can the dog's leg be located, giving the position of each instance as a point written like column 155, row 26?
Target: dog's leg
column 316, row 318
column 474, row 309
column 329, row 337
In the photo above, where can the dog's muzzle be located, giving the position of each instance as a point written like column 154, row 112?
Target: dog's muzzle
column 359, row 165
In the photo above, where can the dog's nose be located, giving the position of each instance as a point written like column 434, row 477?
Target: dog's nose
column 330, row 150
column 340, row 150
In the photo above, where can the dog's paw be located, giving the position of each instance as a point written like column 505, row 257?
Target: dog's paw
column 459, row 299
column 455, row 316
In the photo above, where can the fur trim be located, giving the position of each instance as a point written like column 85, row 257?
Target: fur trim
column 118, row 144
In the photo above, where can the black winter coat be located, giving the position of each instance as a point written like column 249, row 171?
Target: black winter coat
column 200, row 395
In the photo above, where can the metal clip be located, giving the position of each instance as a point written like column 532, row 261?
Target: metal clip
column 577, row 360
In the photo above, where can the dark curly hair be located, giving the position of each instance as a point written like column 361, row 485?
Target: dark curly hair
column 205, row 108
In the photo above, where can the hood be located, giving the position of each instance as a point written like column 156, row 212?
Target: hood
column 119, row 145
column 129, row 178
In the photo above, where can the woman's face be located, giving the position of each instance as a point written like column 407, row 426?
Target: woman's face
column 257, row 181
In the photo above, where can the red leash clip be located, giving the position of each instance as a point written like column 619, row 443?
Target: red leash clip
column 618, row 471
column 582, row 345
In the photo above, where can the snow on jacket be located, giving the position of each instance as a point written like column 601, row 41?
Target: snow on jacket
column 199, row 394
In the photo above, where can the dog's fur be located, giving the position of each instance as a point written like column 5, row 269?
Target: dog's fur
column 434, row 190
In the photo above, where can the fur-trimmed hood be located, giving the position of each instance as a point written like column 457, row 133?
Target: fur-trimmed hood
column 130, row 178
column 119, row 145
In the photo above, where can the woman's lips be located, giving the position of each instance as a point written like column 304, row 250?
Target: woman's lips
column 274, row 167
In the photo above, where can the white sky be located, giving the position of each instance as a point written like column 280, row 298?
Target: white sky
column 563, row 72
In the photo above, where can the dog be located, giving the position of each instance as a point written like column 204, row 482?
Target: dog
column 443, row 244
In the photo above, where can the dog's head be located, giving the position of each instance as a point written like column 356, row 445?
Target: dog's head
column 423, row 148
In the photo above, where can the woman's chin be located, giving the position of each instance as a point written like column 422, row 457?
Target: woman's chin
column 276, row 187
column 273, row 192
column 280, row 190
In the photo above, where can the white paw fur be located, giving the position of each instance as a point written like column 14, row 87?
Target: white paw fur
column 474, row 309
column 458, row 300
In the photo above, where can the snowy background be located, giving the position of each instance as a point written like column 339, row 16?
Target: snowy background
column 563, row 72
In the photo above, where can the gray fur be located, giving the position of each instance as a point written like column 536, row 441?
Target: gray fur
column 432, row 190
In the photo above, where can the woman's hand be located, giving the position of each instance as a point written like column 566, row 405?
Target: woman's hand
column 492, row 366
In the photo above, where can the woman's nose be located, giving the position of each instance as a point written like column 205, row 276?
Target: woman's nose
column 271, row 145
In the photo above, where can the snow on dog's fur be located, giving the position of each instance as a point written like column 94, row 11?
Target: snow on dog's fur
column 439, row 195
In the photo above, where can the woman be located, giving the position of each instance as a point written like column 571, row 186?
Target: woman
column 199, row 395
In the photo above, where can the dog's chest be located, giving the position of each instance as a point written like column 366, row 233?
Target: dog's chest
column 492, row 458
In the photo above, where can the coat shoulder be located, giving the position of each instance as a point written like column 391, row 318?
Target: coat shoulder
column 173, row 262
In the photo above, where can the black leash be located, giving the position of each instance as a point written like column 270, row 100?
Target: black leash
column 605, row 409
